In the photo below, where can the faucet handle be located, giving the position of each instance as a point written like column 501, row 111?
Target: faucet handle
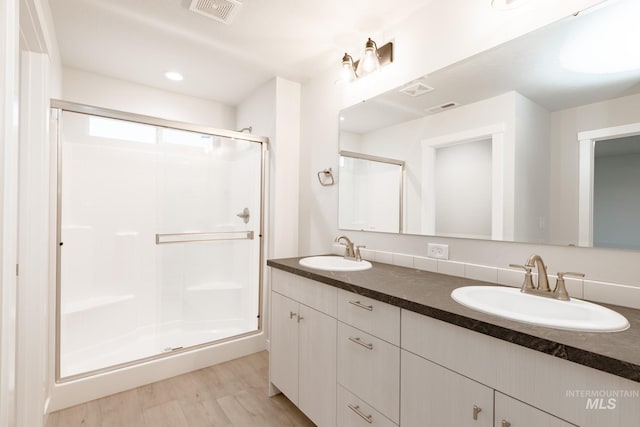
column 357, row 252
column 528, row 280
column 560, row 290
column 526, row 268
column 570, row 274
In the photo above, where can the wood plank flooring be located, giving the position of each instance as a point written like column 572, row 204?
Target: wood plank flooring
column 230, row 394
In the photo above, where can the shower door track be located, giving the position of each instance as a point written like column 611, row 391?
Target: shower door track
column 57, row 107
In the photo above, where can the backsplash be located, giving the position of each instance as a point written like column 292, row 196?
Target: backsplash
column 598, row 291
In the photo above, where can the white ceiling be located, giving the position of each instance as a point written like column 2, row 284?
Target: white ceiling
column 139, row 40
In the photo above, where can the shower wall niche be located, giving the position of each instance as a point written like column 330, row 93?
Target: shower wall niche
column 160, row 237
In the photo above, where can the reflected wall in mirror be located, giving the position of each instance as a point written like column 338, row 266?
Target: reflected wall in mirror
column 370, row 190
column 492, row 145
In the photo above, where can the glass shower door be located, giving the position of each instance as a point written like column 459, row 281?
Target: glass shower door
column 160, row 241
column 208, row 238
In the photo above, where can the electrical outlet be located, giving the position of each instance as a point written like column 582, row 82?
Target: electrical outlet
column 435, row 250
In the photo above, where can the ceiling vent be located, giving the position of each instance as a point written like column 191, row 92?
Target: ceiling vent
column 416, row 89
column 441, row 107
column 220, row 10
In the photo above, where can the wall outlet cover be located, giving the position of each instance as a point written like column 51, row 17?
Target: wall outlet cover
column 438, row 251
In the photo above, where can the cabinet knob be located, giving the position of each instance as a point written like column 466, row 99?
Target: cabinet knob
column 291, row 314
column 300, row 318
column 505, row 423
column 476, row 411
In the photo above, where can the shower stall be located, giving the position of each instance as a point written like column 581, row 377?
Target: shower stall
column 159, row 234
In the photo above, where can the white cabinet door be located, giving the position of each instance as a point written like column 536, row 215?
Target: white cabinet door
column 432, row 396
column 317, row 377
column 283, row 357
column 513, row 413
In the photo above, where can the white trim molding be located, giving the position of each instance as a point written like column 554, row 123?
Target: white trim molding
column 587, row 141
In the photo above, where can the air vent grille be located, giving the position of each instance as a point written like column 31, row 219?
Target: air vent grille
column 220, row 10
column 441, row 107
column 416, row 89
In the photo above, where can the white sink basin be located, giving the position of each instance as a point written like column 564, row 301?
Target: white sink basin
column 334, row 263
column 510, row 303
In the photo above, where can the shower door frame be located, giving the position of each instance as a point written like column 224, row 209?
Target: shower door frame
column 57, row 107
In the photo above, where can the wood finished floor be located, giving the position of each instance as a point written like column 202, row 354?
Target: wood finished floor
column 229, row 394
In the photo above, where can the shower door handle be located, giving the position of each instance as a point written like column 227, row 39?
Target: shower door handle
column 245, row 215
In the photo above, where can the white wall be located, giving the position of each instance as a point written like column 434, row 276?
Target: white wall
column 105, row 92
column 9, row 84
column 444, row 33
column 274, row 111
column 532, row 173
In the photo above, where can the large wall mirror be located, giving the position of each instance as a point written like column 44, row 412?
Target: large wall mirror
column 536, row 140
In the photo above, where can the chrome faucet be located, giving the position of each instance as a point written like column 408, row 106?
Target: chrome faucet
column 350, row 251
column 542, row 287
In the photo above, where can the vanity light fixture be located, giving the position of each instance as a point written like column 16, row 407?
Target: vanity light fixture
column 372, row 59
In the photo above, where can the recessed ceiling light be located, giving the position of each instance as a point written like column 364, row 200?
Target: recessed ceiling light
column 507, row 4
column 172, row 75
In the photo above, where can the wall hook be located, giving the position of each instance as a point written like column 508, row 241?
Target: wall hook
column 326, row 177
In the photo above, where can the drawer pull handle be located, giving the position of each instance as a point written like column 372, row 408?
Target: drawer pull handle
column 300, row 318
column 359, row 342
column 291, row 314
column 356, row 409
column 359, row 304
column 476, row 411
column 505, row 423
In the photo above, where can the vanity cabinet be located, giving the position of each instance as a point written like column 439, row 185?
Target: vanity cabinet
column 348, row 360
column 303, row 345
column 369, row 357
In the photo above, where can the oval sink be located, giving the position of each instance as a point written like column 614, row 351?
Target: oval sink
column 334, row 263
column 510, row 303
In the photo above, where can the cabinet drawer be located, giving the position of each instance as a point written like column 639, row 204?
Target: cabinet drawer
column 323, row 298
column 518, row 414
column 354, row 412
column 370, row 368
column 375, row 317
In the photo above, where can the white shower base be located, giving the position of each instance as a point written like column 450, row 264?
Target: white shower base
column 147, row 342
column 98, row 333
column 74, row 392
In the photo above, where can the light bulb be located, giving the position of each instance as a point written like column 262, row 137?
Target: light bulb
column 370, row 61
column 348, row 73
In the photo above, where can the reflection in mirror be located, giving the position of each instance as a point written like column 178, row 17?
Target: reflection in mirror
column 609, row 187
column 532, row 98
column 370, row 189
column 616, row 193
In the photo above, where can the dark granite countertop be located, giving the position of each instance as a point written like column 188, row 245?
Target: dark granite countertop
column 428, row 293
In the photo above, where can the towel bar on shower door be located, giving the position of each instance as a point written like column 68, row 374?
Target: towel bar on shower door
column 212, row 236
